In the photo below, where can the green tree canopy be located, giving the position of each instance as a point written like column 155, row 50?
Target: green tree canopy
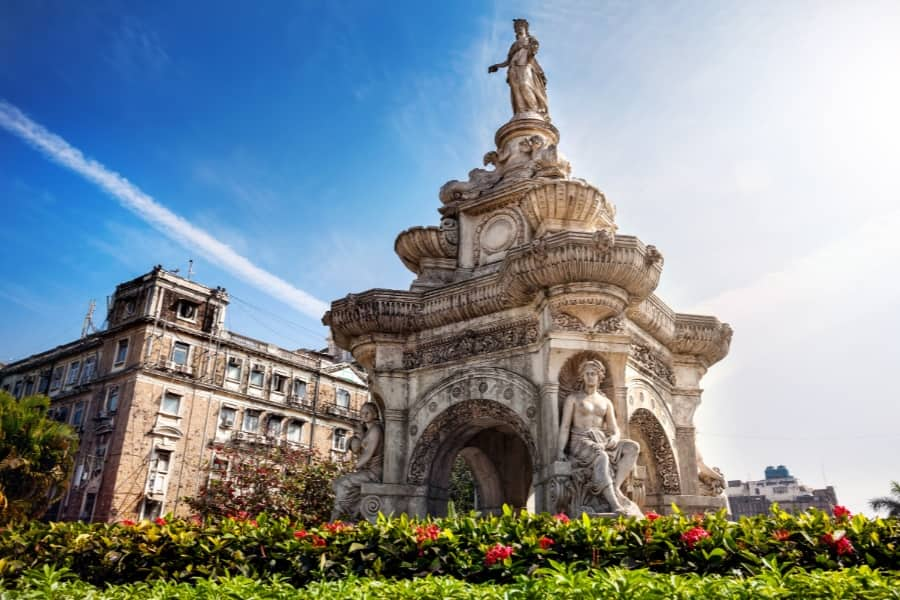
column 36, row 457
column 890, row 503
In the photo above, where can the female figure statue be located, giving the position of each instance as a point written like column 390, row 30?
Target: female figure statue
column 526, row 79
column 589, row 429
column 369, row 466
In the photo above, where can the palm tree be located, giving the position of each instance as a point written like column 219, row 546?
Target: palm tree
column 889, row 503
column 36, row 457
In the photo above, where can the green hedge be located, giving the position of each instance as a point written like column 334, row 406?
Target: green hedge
column 556, row 582
column 497, row 548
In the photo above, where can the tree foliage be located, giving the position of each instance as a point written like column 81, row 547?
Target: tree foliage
column 36, row 457
column 890, row 503
column 463, row 488
column 282, row 481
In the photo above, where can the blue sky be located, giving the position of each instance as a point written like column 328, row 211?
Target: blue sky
column 756, row 144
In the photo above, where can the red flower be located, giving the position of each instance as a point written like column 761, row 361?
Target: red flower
column 428, row 532
column 318, row 542
column 693, row 535
column 242, row 515
column 841, row 512
column 336, row 527
column 300, row 534
column 781, row 535
column 651, row 516
column 828, row 539
column 159, row 521
column 497, row 552
column 545, row 542
column 128, row 523
column 843, row 546
column 561, row 517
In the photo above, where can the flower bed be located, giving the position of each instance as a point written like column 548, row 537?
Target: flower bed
column 491, row 549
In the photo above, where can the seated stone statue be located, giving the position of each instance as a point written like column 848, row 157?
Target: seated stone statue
column 589, row 430
column 369, row 465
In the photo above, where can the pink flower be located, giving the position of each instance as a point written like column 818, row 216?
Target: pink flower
column 300, row 534
column 545, row 542
column 651, row 516
column 561, row 517
column 336, row 527
column 497, row 552
column 159, row 521
column 841, row 512
column 428, row 532
column 318, row 541
column 693, row 535
column 128, row 523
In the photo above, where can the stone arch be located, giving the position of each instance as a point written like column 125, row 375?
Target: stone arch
column 504, row 463
column 656, row 453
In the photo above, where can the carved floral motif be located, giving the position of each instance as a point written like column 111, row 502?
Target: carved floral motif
column 567, row 322
column 472, row 343
column 660, row 448
column 649, row 361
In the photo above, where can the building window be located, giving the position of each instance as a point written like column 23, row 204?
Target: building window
column 299, row 389
column 171, row 403
column 112, row 399
column 159, row 470
column 219, row 466
column 121, row 352
column 278, row 383
column 129, row 306
column 152, row 509
column 251, row 421
column 78, row 414
column 74, row 371
column 180, row 353
column 87, row 509
column 87, row 373
column 29, row 385
column 233, row 371
column 273, row 427
column 57, row 378
column 343, row 398
column 44, row 382
column 294, row 429
column 339, row 440
column 226, row 417
column 17, row 388
column 61, row 414
column 187, row 310
column 256, row 376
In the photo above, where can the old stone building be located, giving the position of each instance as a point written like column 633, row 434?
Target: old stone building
column 164, row 385
column 748, row 498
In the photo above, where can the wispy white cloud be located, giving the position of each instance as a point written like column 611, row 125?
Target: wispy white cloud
column 175, row 227
column 136, row 51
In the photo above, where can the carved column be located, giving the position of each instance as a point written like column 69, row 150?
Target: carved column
column 684, row 403
column 395, row 441
column 550, row 421
column 685, row 440
column 620, row 405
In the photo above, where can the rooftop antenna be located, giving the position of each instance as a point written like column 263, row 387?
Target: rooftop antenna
column 88, row 326
column 190, row 268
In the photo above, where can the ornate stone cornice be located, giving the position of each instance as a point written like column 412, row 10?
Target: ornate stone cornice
column 704, row 337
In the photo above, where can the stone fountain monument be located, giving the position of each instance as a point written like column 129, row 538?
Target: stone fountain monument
column 530, row 343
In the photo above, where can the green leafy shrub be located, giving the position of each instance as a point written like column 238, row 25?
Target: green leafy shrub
column 477, row 549
column 557, row 582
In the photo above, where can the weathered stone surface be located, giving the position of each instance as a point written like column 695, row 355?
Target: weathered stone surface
column 524, row 281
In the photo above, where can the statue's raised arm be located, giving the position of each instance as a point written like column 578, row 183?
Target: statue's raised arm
column 526, row 79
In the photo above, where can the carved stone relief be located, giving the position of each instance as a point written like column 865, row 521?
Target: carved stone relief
column 472, row 343
column 566, row 322
column 649, row 362
column 497, row 233
column 660, row 449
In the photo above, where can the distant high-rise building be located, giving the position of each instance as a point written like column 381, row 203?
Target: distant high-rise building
column 158, row 393
column 748, row 498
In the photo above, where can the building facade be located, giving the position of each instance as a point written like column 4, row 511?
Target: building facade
column 158, row 392
column 748, row 498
